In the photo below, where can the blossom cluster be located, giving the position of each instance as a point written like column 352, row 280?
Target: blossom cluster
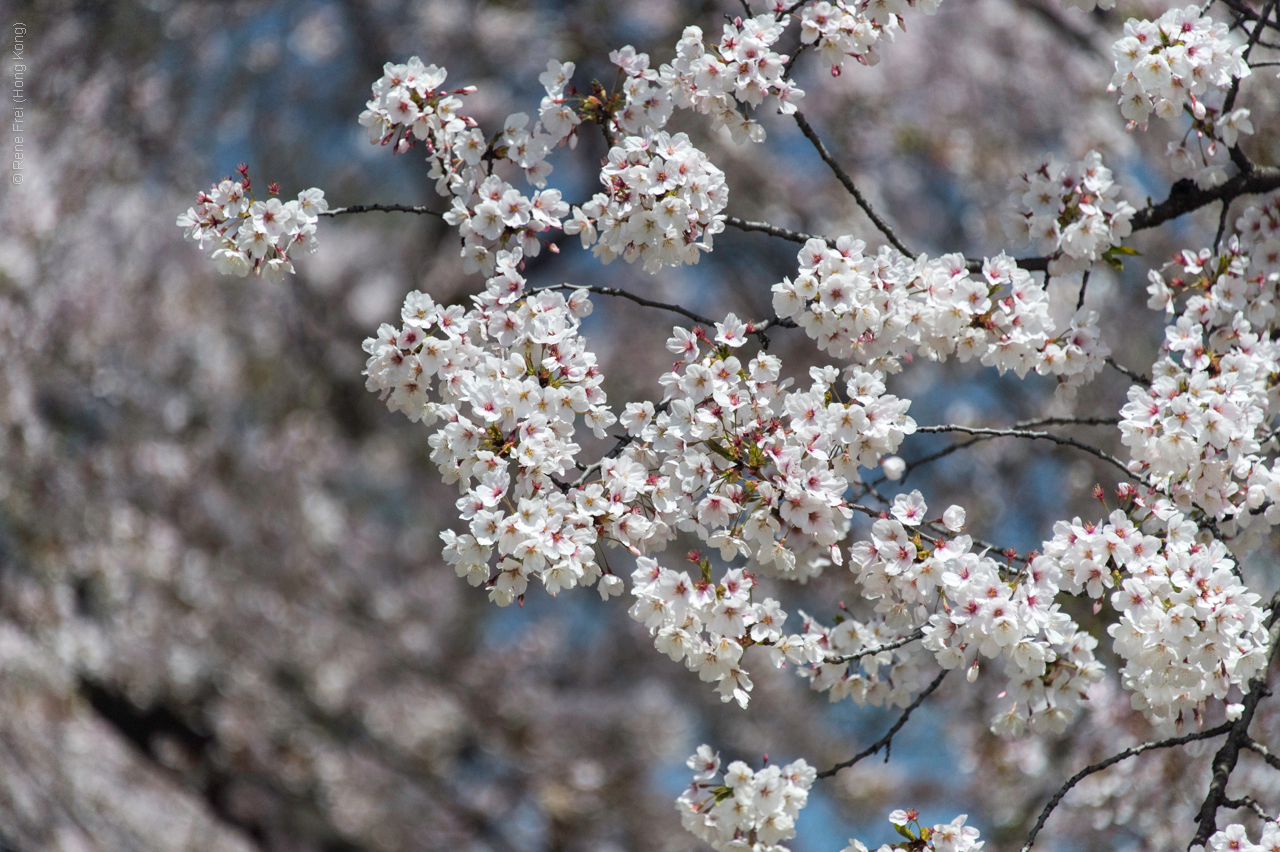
column 662, row 203
column 1071, row 212
column 1188, row 629
column 757, row 470
column 1234, row 838
column 744, row 810
column 952, row 836
column 248, row 235
column 1197, row 432
column 845, row 29
column 876, row 309
column 1171, row 65
column 716, row 79
column 410, row 107
column 1259, row 231
column 511, row 375
column 970, row 606
column 677, row 609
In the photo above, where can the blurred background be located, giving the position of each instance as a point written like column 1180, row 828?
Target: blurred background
column 224, row 619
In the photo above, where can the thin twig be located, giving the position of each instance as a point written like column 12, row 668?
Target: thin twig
column 1133, row 375
column 382, row 208
column 849, row 185
column 1111, row 761
column 623, row 294
column 888, row 646
column 1067, row 421
column 1251, row 804
column 887, row 739
column 1259, row 749
column 1034, row 436
column 1084, row 286
column 775, row 231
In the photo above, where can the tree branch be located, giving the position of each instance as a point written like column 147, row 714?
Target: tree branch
column 888, row 646
column 887, row 739
column 1111, row 761
column 1034, row 436
column 382, row 208
column 1224, row 762
column 623, row 294
column 775, row 231
column 1185, row 196
column 849, row 185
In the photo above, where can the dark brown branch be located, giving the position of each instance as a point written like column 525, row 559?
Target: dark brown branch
column 623, row 294
column 849, row 185
column 888, row 646
column 1133, row 376
column 382, row 208
column 1111, row 761
column 885, row 741
column 1251, row 804
column 1185, row 196
column 775, row 231
column 1259, row 749
column 1224, row 762
column 1034, row 436
column 1067, row 421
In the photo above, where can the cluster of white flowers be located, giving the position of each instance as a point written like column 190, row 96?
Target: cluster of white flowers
column 1198, row 431
column 758, row 471
column 1169, row 66
column 844, row 665
column 249, row 235
column 662, row 205
column 1259, row 231
column 845, row 29
column 1073, row 213
column 968, row 608
column 513, row 375
column 876, row 309
column 1234, row 838
column 712, row 79
column 410, row 107
column 952, row 836
column 744, row 811
column 1188, row 629
column 677, row 609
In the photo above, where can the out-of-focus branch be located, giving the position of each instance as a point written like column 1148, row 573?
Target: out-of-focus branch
column 1067, row 421
column 1111, row 761
column 887, row 740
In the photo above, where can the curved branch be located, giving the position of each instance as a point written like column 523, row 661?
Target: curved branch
column 1111, row 761
column 382, row 208
column 623, row 294
column 1034, row 436
column 1185, row 196
column 885, row 741
column 775, row 231
column 849, row 185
